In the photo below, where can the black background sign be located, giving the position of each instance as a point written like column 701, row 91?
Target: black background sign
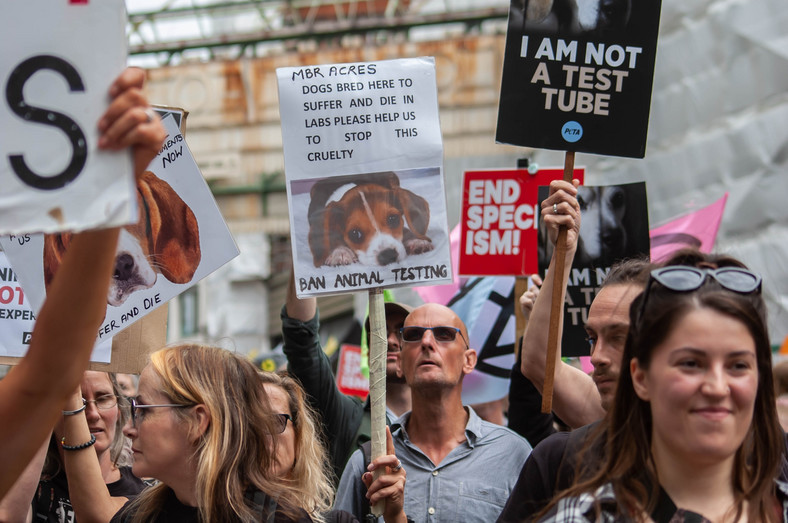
column 584, row 83
column 614, row 226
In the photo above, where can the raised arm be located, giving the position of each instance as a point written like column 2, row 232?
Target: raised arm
column 575, row 397
column 340, row 415
column 87, row 489
column 16, row 506
column 34, row 392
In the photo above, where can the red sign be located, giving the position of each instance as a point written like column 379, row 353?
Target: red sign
column 350, row 380
column 500, row 213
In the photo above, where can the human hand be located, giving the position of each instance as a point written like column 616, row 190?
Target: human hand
column 389, row 486
column 528, row 298
column 130, row 121
column 563, row 199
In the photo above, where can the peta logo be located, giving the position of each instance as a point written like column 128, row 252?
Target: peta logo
column 26, row 337
column 572, row 131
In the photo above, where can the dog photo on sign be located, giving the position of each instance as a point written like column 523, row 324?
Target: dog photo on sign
column 613, row 225
column 165, row 240
column 370, row 219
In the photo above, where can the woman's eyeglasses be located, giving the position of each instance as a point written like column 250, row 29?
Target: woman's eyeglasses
column 441, row 333
column 104, row 402
column 281, row 422
column 679, row 278
column 138, row 410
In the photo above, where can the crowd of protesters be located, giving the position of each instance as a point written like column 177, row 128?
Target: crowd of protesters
column 677, row 422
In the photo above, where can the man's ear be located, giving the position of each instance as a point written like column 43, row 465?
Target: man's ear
column 202, row 419
column 470, row 361
column 639, row 380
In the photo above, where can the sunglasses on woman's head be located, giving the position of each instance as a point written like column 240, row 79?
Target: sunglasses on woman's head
column 680, row 278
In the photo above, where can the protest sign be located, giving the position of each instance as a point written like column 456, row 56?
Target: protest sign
column 179, row 239
column 17, row 320
column 350, row 379
column 56, row 87
column 363, row 161
column 499, row 218
column 486, row 306
column 579, row 77
column 613, row 226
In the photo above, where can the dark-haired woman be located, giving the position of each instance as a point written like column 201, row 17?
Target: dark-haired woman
column 693, row 433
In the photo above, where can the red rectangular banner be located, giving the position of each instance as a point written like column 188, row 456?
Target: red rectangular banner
column 499, row 220
column 350, row 380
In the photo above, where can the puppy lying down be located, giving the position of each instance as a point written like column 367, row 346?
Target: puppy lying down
column 367, row 219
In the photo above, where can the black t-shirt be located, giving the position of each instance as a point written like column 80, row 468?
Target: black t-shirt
column 173, row 511
column 548, row 470
column 51, row 503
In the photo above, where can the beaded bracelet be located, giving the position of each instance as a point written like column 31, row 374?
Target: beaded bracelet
column 77, row 411
column 77, row 447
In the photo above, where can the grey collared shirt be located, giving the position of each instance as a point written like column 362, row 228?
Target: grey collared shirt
column 471, row 484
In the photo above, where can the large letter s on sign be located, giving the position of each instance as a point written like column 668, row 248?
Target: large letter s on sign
column 16, row 101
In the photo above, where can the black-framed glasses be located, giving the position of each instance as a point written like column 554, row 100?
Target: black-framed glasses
column 138, row 410
column 441, row 333
column 281, row 422
column 107, row 401
column 682, row 278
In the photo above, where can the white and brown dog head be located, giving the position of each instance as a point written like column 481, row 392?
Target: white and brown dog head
column 374, row 222
column 165, row 240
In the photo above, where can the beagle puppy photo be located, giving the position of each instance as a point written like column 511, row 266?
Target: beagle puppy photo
column 368, row 219
column 165, row 240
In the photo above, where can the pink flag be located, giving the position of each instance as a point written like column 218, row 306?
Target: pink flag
column 443, row 293
column 697, row 229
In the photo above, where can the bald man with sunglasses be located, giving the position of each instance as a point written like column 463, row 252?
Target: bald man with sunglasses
column 459, row 467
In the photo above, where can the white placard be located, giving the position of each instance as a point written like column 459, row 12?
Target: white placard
column 55, row 89
column 17, row 318
column 364, row 136
column 179, row 239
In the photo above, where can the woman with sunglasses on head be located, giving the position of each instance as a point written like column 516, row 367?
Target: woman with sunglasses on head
column 693, row 432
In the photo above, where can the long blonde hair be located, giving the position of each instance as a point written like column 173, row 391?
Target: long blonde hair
column 309, row 482
column 235, row 452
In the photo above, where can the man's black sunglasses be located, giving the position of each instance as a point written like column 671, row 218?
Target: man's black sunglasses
column 680, row 278
column 441, row 333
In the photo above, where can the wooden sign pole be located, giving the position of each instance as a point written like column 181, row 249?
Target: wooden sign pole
column 553, row 336
column 520, row 286
column 377, row 380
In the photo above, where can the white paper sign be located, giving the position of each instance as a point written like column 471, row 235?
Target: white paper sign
column 17, row 318
column 363, row 160
column 55, row 88
column 179, row 239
